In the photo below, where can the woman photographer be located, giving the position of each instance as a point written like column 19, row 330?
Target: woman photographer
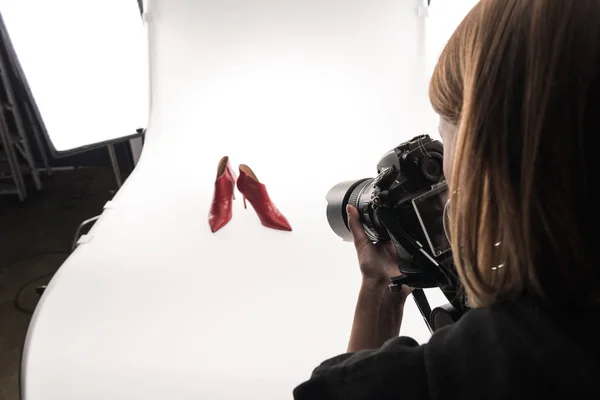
column 517, row 88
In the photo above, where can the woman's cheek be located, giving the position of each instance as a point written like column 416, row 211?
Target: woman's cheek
column 448, row 156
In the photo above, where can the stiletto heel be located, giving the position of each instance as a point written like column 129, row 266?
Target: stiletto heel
column 256, row 193
column 220, row 208
column 244, row 197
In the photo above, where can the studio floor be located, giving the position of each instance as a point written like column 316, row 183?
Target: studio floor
column 35, row 238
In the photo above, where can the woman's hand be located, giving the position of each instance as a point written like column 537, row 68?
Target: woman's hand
column 378, row 262
column 379, row 311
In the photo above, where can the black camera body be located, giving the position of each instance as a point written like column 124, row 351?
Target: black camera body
column 406, row 204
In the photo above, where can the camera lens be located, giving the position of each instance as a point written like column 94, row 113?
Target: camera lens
column 357, row 193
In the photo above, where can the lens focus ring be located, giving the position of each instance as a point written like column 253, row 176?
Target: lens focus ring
column 354, row 196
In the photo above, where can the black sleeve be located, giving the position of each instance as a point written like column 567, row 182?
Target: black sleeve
column 396, row 369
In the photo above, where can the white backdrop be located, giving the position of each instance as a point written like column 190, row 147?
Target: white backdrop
column 443, row 17
column 154, row 306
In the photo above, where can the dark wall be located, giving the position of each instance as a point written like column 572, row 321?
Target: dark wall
column 97, row 158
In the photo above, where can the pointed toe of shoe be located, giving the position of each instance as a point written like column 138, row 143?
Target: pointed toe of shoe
column 285, row 227
column 279, row 224
column 217, row 222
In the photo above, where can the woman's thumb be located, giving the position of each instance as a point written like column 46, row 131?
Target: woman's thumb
column 360, row 237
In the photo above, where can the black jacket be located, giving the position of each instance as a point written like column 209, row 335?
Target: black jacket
column 510, row 350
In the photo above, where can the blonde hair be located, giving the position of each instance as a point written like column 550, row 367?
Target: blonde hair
column 520, row 80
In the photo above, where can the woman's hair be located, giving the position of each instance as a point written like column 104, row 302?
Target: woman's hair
column 520, row 80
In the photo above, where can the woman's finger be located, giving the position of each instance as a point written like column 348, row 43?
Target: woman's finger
column 360, row 237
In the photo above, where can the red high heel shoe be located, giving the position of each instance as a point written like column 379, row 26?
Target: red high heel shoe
column 220, row 208
column 257, row 195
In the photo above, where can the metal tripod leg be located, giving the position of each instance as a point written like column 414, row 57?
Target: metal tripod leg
column 38, row 139
column 13, row 106
column 115, row 165
column 11, row 157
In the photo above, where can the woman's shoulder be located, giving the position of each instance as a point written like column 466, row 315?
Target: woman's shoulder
column 513, row 348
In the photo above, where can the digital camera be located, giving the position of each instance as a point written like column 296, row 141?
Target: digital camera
column 406, row 204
